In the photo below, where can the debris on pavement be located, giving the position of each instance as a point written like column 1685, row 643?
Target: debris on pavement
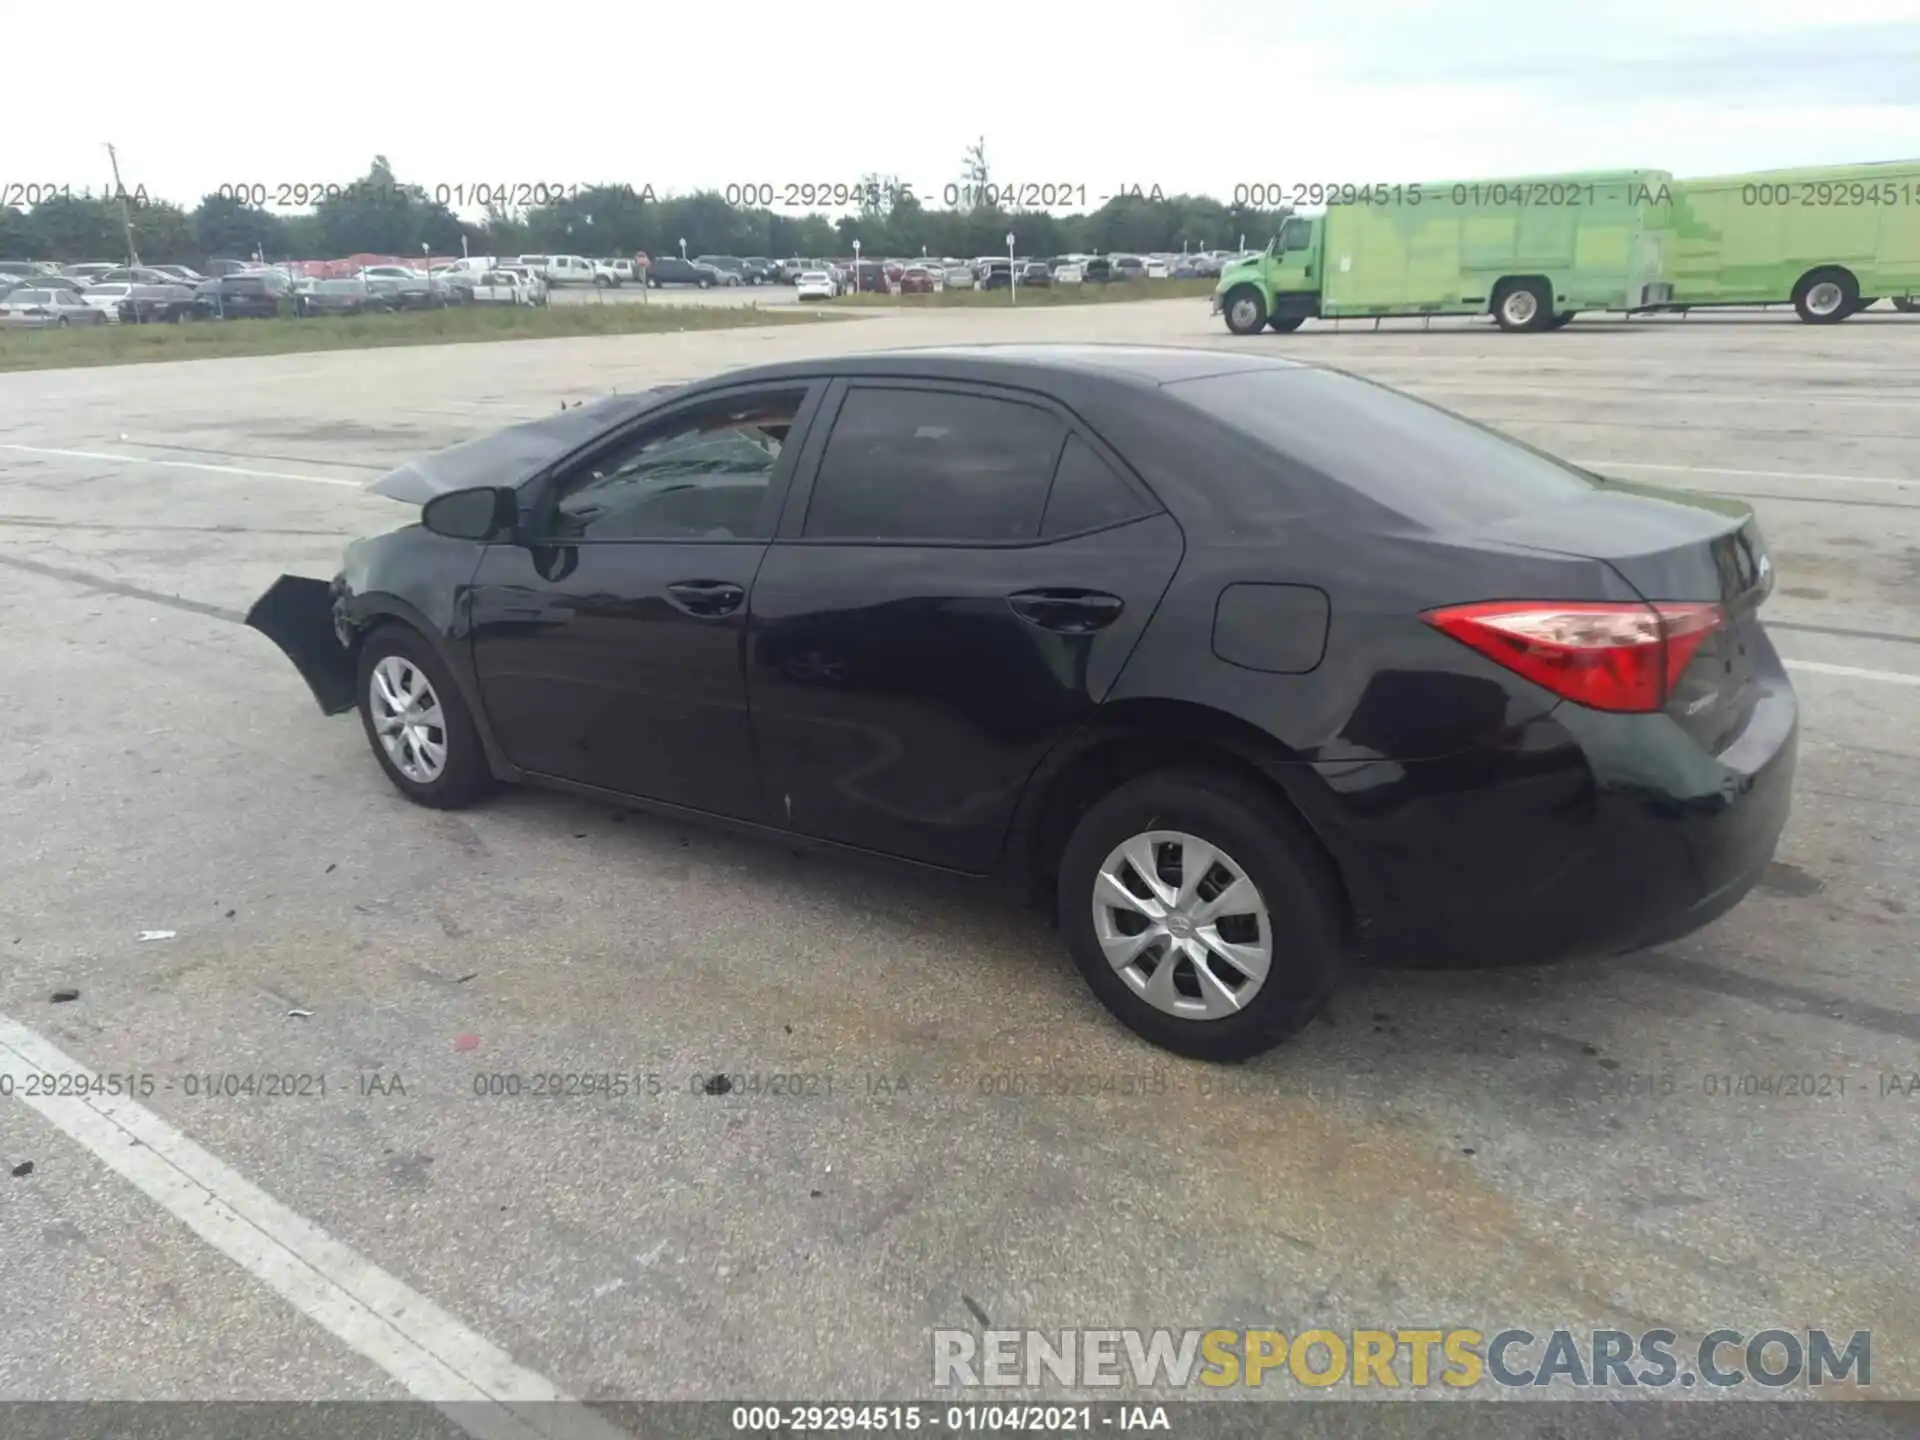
column 23, row 1169
column 158, row 934
column 64, row 997
column 298, row 1014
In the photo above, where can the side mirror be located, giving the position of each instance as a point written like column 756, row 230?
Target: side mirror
column 490, row 512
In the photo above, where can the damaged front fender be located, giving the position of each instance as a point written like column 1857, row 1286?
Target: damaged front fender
column 298, row 614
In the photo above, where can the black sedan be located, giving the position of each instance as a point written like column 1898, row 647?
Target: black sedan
column 344, row 297
column 159, row 305
column 259, row 296
column 1259, row 671
column 671, row 270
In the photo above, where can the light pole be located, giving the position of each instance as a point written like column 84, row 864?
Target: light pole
column 126, row 219
column 1013, row 274
column 683, row 247
column 856, row 267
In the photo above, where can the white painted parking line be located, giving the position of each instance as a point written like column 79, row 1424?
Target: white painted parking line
column 184, row 465
column 438, row 1359
column 1604, row 465
column 1854, row 672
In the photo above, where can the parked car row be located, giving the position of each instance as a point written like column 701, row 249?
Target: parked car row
column 930, row 274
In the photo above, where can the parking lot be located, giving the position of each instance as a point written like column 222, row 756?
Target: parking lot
column 1718, row 1133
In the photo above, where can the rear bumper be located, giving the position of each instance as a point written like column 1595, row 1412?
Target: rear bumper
column 303, row 617
column 1586, row 835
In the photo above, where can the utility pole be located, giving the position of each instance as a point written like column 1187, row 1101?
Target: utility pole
column 126, row 217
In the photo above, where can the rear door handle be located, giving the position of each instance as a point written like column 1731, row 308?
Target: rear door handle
column 1067, row 611
column 706, row 598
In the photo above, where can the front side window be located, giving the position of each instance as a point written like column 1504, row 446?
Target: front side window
column 704, row 474
column 934, row 465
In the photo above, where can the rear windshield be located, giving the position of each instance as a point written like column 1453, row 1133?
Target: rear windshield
column 1436, row 468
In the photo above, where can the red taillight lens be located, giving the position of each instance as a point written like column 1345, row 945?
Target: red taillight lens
column 1609, row 656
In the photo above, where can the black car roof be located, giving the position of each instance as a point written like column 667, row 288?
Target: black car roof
column 1149, row 365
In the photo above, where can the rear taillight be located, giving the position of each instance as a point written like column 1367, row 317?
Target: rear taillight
column 1610, row 656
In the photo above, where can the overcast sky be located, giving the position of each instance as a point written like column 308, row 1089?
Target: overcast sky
column 1197, row 98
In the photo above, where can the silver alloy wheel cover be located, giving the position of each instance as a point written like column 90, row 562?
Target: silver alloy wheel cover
column 1246, row 310
column 1181, row 925
column 1520, row 306
column 408, row 719
column 1824, row 298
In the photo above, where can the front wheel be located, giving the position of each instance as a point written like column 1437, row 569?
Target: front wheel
column 1201, row 913
column 418, row 723
column 1246, row 311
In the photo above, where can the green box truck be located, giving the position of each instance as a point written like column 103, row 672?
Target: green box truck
column 1831, row 241
column 1531, row 251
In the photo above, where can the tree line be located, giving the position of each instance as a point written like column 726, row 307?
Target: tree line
column 379, row 215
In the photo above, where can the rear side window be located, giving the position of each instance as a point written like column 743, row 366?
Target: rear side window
column 1086, row 493
column 1436, row 468
column 934, row 465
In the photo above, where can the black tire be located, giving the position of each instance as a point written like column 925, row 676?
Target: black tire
column 1826, row 297
column 1269, row 843
column 1285, row 323
column 652, row 284
column 1246, row 310
column 1522, row 305
column 465, row 776
column 62, row 323
column 706, row 284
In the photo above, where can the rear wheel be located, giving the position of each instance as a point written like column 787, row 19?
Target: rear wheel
column 1284, row 323
column 1246, row 310
column 1522, row 305
column 1826, row 297
column 417, row 722
column 1203, row 916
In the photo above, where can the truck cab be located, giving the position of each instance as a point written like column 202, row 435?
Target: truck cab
column 1280, row 287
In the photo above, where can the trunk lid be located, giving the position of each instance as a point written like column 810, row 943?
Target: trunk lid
column 1675, row 546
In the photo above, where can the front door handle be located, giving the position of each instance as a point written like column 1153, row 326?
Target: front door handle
column 706, row 598
column 1067, row 611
